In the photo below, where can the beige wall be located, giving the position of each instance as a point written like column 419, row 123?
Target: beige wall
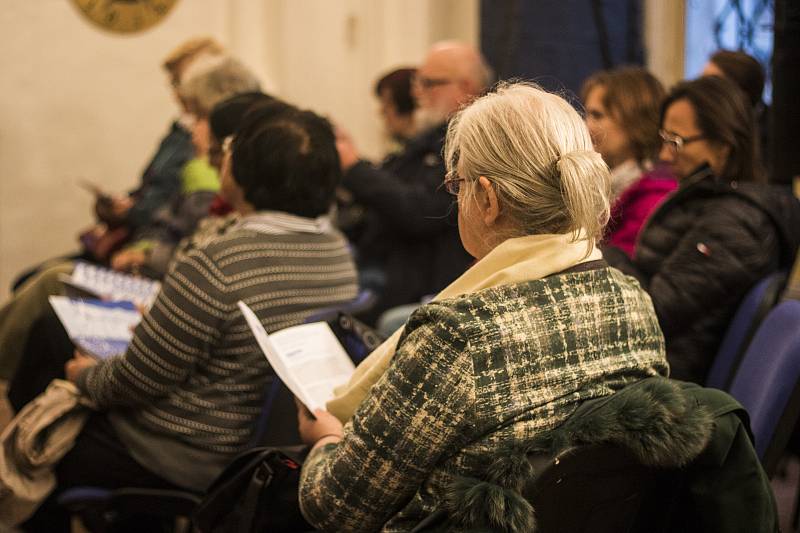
column 664, row 39
column 80, row 103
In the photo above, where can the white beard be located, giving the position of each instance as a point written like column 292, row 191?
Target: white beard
column 428, row 118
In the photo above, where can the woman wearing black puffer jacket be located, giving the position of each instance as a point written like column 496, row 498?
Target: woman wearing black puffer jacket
column 719, row 233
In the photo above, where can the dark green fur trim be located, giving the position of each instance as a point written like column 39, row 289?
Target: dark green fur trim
column 490, row 507
column 654, row 419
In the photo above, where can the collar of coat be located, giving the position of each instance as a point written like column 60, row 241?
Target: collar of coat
column 654, row 419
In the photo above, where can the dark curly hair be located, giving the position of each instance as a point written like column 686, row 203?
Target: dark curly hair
column 227, row 115
column 285, row 159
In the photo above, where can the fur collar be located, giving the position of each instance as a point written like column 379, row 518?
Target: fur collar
column 654, row 419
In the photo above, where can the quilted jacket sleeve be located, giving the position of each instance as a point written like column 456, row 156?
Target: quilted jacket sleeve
column 728, row 249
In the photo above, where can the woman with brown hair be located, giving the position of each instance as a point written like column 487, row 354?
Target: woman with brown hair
column 722, row 230
column 622, row 112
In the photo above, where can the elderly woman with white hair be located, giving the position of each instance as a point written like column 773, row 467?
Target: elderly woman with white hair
column 510, row 349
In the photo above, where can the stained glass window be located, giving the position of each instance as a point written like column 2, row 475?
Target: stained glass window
column 732, row 25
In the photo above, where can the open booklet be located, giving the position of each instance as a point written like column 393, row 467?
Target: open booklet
column 98, row 328
column 307, row 358
column 98, row 282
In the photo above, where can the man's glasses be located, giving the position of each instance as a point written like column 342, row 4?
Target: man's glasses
column 429, row 83
column 675, row 142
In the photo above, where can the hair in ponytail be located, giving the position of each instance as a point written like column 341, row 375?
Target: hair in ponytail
column 536, row 151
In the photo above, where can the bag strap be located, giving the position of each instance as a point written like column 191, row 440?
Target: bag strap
column 262, row 477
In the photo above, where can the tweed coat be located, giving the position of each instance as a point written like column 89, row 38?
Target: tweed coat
column 472, row 375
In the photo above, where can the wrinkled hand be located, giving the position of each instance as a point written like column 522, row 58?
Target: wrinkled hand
column 128, row 260
column 79, row 362
column 348, row 153
column 323, row 424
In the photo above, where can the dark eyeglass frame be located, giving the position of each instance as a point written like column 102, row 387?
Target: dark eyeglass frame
column 453, row 185
column 429, row 83
column 675, row 141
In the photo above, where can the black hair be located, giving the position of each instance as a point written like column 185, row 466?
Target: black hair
column 724, row 117
column 286, row 160
column 398, row 83
column 227, row 115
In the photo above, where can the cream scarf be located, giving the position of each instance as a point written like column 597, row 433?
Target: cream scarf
column 513, row 261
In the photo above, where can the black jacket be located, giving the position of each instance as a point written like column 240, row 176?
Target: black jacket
column 699, row 254
column 161, row 179
column 411, row 229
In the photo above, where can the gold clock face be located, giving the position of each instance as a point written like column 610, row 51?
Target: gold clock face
column 125, row 16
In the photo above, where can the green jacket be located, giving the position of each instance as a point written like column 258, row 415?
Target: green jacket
column 703, row 433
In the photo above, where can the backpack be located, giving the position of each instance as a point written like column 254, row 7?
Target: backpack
column 256, row 492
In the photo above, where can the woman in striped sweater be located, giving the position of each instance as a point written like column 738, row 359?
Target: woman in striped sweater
column 184, row 398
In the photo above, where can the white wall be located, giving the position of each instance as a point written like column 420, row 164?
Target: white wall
column 82, row 103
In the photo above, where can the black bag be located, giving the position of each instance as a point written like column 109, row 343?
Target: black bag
column 357, row 338
column 256, row 492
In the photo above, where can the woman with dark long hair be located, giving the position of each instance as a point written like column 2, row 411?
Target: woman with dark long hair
column 722, row 231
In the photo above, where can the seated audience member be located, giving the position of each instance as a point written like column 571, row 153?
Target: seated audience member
column 412, row 225
column 719, row 233
column 159, row 181
column 397, row 107
column 397, row 104
column 538, row 325
column 184, row 399
column 622, row 107
column 748, row 74
column 208, row 82
column 30, row 302
column 27, row 322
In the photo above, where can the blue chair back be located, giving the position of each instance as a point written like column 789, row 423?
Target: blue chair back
column 755, row 306
column 364, row 300
column 766, row 383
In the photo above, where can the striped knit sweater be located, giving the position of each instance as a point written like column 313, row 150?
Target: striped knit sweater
column 186, row 395
column 473, row 375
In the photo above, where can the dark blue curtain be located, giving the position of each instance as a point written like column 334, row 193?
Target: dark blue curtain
column 558, row 43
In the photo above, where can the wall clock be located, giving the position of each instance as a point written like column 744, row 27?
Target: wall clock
column 125, row 16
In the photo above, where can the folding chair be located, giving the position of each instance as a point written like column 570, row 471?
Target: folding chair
column 766, row 382
column 751, row 312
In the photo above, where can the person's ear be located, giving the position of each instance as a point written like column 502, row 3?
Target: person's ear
column 490, row 206
column 720, row 153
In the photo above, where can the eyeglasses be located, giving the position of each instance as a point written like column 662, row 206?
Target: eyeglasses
column 675, row 141
column 429, row 83
column 453, row 185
